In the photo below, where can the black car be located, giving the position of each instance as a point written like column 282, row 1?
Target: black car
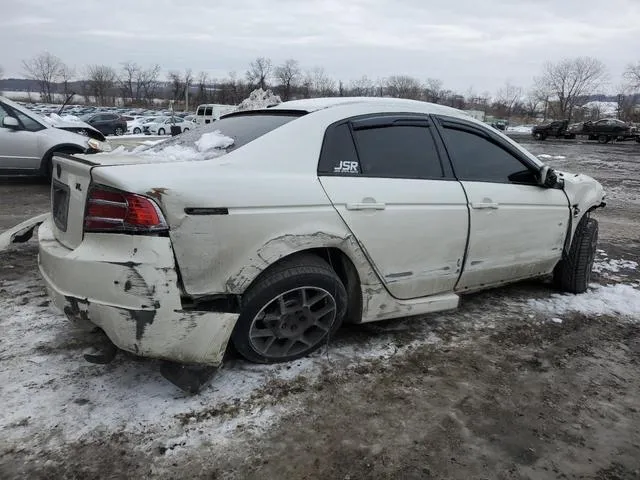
column 107, row 123
column 604, row 130
column 556, row 129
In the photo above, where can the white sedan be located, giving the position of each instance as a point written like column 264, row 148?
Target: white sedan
column 136, row 126
column 162, row 125
column 270, row 228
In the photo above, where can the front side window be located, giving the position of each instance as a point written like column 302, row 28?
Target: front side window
column 3, row 113
column 398, row 151
column 27, row 122
column 477, row 158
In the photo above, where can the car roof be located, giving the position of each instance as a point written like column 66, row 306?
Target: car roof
column 404, row 105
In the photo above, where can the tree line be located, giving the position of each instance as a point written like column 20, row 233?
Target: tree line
column 557, row 92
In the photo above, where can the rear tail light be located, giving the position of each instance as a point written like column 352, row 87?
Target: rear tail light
column 115, row 211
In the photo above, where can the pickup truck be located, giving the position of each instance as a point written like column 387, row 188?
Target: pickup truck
column 556, row 129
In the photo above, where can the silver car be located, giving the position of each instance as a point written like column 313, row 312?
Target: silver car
column 29, row 141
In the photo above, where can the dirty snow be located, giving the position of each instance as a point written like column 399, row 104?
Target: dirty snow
column 617, row 300
column 613, row 265
column 259, row 99
column 554, row 157
column 519, row 129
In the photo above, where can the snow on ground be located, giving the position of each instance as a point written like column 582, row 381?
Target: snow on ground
column 553, row 157
column 519, row 129
column 616, row 300
column 68, row 398
column 613, row 265
column 604, row 108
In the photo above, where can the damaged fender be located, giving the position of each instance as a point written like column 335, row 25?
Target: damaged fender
column 22, row 232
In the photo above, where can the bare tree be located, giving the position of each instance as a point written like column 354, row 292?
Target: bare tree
column 66, row 75
column 1, row 72
column 532, row 104
column 362, row 87
column 319, row 83
column 632, row 75
column 203, row 84
column 148, row 83
column 403, row 86
column 101, row 80
column 46, row 70
column 570, row 80
column 128, row 82
column 433, row 91
column 288, row 74
column 508, row 97
column 177, row 84
column 259, row 72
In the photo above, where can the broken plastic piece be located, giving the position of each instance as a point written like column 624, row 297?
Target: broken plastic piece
column 189, row 378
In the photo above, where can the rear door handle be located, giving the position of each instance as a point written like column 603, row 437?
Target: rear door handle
column 484, row 205
column 366, row 206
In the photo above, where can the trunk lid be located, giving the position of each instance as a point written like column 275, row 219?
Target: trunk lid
column 70, row 180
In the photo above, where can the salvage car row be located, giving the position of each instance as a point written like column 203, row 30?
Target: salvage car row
column 604, row 131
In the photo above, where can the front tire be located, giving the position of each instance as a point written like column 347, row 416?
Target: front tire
column 118, row 131
column 573, row 273
column 604, row 139
column 290, row 311
column 161, row 131
column 136, row 130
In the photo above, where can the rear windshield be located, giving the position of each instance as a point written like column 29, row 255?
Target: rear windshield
column 242, row 129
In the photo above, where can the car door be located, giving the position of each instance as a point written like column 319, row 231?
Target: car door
column 385, row 178
column 98, row 122
column 19, row 147
column 517, row 228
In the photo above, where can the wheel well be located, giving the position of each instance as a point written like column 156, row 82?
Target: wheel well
column 71, row 149
column 344, row 268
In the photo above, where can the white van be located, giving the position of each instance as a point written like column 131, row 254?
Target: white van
column 208, row 112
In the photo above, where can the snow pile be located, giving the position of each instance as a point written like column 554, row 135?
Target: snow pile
column 620, row 299
column 613, row 265
column 259, row 99
column 604, row 108
column 212, row 140
column 187, row 147
column 554, row 157
column 519, row 129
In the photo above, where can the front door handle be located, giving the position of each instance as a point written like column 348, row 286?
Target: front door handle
column 366, row 206
column 484, row 205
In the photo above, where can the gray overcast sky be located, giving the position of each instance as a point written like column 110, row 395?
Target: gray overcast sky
column 479, row 43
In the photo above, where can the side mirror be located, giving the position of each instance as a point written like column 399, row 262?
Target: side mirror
column 10, row 122
column 549, row 178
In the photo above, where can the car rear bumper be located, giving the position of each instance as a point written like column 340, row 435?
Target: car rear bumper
column 128, row 286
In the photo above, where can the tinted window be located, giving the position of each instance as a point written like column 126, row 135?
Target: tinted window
column 398, row 151
column 338, row 152
column 208, row 111
column 476, row 158
column 3, row 113
column 242, row 128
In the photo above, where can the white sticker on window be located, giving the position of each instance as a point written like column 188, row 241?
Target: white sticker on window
column 346, row 167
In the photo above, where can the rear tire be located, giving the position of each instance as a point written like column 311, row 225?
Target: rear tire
column 603, row 139
column 573, row 272
column 136, row 130
column 283, row 313
column 161, row 131
column 118, row 131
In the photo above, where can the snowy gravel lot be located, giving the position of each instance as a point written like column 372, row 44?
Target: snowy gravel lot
column 520, row 382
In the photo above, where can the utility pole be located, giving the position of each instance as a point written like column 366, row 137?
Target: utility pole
column 186, row 98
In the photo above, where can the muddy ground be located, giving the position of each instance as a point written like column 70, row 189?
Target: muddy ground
column 496, row 389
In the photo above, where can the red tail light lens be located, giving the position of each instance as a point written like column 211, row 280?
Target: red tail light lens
column 115, row 211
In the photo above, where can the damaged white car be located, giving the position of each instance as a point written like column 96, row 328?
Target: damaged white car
column 299, row 217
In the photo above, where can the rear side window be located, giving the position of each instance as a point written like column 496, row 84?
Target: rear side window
column 338, row 152
column 208, row 111
column 200, row 111
column 398, row 151
column 476, row 158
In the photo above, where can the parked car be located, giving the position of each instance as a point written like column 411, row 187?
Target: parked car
column 107, row 123
column 603, row 130
column 137, row 126
column 300, row 217
column 28, row 141
column 556, row 129
column 162, row 125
